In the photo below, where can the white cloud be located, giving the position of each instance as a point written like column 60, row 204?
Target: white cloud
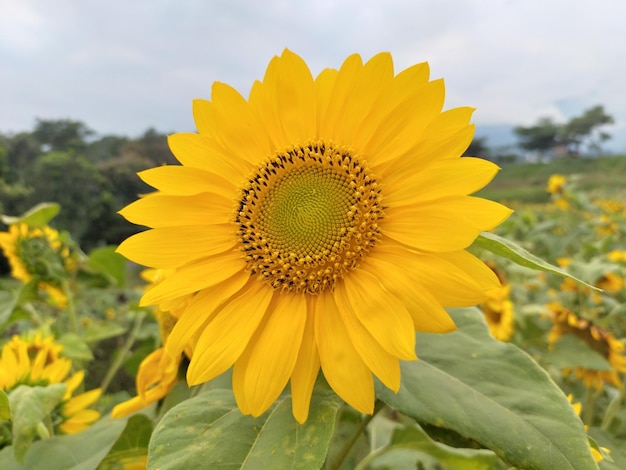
column 124, row 66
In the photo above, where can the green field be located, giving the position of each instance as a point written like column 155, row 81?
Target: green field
column 526, row 183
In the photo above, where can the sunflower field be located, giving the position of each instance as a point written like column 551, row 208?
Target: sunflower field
column 322, row 293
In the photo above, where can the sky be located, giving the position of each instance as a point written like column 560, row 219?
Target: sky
column 124, row 66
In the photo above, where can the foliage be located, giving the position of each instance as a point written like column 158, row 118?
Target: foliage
column 470, row 402
column 546, row 136
column 91, row 177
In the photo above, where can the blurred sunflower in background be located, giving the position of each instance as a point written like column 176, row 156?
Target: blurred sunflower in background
column 317, row 224
column 35, row 360
column 38, row 253
column 158, row 372
column 565, row 322
column 498, row 308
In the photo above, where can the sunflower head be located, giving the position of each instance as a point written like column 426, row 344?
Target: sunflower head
column 38, row 253
column 566, row 322
column 316, row 224
column 35, row 360
column 556, row 184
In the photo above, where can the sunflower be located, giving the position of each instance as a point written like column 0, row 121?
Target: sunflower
column 578, row 406
column 38, row 252
column 158, row 372
column 35, row 361
column 556, row 184
column 317, row 224
column 498, row 308
column 600, row 340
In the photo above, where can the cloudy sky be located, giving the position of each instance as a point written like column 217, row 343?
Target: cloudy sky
column 123, row 66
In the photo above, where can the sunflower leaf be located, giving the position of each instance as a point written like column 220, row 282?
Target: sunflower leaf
column 491, row 392
column 30, row 407
column 109, row 264
column 5, row 409
column 507, row 249
column 82, row 451
column 38, row 216
column 209, row 431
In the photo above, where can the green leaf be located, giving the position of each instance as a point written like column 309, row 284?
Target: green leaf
column 399, row 446
column 102, row 330
column 75, row 348
column 571, row 351
column 412, row 437
column 38, row 216
column 5, row 408
column 132, row 443
column 30, row 406
column 616, row 446
column 110, row 264
column 507, row 249
column 491, row 392
column 8, row 300
column 209, row 431
column 82, row 451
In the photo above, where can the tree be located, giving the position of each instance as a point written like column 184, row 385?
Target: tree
column 75, row 183
column 541, row 138
column 585, row 129
column 152, row 145
column 62, row 135
column 478, row 148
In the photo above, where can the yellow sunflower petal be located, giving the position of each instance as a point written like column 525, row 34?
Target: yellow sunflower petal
column 340, row 98
column 128, row 407
column 227, row 334
column 384, row 365
column 73, row 382
column 194, row 277
column 79, row 402
column 293, row 89
column 456, row 221
column 452, row 177
column 236, row 126
column 402, row 119
column 268, row 361
column 380, row 312
column 186, row 180
column 196, row 151
column 342, row 365
column 158, row 247
column 456, row 279
column 200, row 311
column 369, row 84
column 159, row 210
column 426, row 311
column 79, row 422
column 324, row 85
column 306, row 368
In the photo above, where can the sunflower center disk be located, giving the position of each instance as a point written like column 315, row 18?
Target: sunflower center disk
column 307, row 216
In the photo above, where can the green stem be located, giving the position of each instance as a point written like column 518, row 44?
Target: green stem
column 612, row 409
column 347, row 447
column 32, row 311
column 71, row 310
column 121, row 357
column 588, row 406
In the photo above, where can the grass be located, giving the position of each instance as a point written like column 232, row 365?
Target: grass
column 526, row 183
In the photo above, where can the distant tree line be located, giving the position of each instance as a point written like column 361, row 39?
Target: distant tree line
column 91, row 177
column 582, row 134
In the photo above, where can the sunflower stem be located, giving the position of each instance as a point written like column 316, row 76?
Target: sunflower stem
column 32, row 311
column 71, row 310
column 612, row 409
column 121, row 357
column 349, row 444
column 588, row 407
